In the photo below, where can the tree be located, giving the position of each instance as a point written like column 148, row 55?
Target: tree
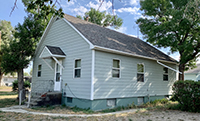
column 42, row 8
column 102, row 19
column 31, row 72
column 18, row 55
column 26, row 74
column 174, row 24
column 5, row 37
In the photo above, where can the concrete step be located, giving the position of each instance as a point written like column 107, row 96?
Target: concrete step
column 36, row 99
column 32, row 103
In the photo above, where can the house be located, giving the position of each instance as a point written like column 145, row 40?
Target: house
column 7, row 80
column 99, row 68
column 193, row 74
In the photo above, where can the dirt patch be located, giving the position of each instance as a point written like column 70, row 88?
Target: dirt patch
column 165, row 115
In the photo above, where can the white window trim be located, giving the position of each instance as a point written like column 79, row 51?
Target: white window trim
column 39, row 70
column 117, row 68
column 166, row 74
column 141, row 72
column 76, row 68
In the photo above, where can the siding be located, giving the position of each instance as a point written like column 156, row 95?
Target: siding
column 62, row 35
column 105, row 86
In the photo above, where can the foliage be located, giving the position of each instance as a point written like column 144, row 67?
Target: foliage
column 6, row 32
column 102, row 19
column 26, row 74
column 174, row 24
column 5, row 37
column 43, row 8
column 31, row 72
column 17, row 56
column 187, row 93
column 27, row 84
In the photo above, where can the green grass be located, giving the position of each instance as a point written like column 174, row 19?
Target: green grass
column 7, row 93
column 8, row 102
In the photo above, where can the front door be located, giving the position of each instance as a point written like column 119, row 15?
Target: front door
column 57, row 78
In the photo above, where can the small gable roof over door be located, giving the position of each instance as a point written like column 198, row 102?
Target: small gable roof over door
column 52, row 51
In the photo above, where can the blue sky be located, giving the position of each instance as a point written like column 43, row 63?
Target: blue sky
column 128, row 10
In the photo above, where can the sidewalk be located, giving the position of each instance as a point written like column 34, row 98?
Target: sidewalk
column 21, row 109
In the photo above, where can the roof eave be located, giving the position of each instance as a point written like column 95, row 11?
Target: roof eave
column 129, row 54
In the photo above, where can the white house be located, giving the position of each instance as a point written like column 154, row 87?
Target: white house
column 99, row 68
column 193, row 74
column 7, row 80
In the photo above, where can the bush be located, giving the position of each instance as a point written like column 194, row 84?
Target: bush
column 187, row 93
column 27, row 84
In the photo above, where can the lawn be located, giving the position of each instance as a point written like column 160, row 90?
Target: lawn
column 4, row 93
column 157, row 110
column 7, row 102
column 5, row 88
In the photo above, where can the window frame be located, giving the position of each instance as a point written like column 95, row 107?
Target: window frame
column 141, row 72
column 116, row 68
column 76, row 68
column 39, row 70
column 166, row 74
column 110, row 101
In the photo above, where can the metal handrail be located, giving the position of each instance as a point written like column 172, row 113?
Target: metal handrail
column 39, row 86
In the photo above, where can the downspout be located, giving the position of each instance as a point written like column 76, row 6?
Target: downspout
column 168, row 67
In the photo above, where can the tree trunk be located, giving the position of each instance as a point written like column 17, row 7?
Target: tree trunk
column 20, row 74
column 1, row 75
column 181, row 69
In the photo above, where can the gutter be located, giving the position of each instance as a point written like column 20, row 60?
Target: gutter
column 168, row 67
column 129, row 54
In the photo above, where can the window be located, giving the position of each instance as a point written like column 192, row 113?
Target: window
column 39, row 70
column 57, row 73
column 116, row 68
column 140, row 100
column 69, row 99
column 140, row 72
column 111, row 102
column 77, row 68
column 165, row 74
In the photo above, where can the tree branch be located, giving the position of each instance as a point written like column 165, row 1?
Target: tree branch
column 13, row 8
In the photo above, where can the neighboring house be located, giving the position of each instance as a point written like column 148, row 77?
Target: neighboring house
column 193, row 74
column 99, row 68
column 7, row 80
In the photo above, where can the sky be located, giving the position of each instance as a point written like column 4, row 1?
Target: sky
column 128, row 10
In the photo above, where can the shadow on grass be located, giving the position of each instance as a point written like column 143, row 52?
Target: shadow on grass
column 8, row 102
column 7, row 93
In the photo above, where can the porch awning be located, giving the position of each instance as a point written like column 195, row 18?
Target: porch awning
column 52, row 52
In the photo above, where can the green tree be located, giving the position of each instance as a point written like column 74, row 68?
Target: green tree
column 5, row 37
column 41, row 8
column 31, row 72
column 18, row 55
column 102, row 19
column 26, row 74
column 174, row 24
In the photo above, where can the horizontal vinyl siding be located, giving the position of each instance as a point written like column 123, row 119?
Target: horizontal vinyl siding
column 105, row 86
column 73, row 45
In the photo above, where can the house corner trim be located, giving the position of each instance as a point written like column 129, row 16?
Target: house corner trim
column 92, row 75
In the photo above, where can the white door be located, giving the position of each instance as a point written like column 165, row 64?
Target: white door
column 57, row 78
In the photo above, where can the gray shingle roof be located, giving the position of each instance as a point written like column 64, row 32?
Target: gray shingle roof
column 195, row 70
column 55, row 50
column 108, row 38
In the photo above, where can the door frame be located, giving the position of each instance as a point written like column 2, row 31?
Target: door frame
column 57, row 85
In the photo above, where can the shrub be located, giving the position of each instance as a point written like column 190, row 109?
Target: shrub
column 15, row 85
column 187, row 93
